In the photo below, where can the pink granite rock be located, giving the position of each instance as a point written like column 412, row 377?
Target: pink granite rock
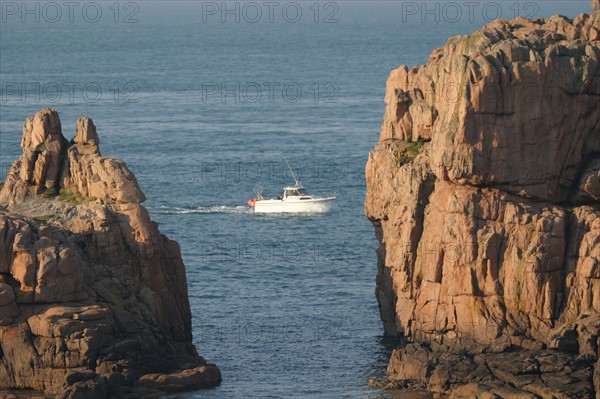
column 92, row 297
column 483, row 191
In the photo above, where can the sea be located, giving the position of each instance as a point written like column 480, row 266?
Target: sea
column 208, row 103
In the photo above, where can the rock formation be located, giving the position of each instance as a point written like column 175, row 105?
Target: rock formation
column 93, row 299
column 484, row 192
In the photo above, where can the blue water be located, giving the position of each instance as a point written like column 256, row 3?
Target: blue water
column 204, row 112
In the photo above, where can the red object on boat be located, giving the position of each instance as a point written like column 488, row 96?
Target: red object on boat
column 252, row 202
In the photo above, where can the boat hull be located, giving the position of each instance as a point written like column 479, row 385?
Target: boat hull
column 317, row 205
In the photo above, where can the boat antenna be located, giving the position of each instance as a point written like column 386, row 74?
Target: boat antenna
column 292, row 172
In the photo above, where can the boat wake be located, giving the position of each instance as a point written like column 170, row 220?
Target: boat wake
column 174, row 210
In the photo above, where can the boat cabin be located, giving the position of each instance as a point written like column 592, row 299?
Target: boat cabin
column 295, row 192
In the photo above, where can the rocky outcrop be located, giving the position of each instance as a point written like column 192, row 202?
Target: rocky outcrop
column 93, row 299
column 49, row 164
column 484, row 193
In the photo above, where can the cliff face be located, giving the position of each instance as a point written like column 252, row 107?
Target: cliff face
column 484, row 192
column 93, row 299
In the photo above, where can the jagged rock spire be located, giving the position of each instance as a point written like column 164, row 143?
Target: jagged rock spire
column 43, row 147
column 86, row 132
column 50, row 163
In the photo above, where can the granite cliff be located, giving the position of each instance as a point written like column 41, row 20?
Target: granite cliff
column 484, row 191
column 93, row 299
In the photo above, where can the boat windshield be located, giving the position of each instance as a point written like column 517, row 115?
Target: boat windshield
column 295, row 192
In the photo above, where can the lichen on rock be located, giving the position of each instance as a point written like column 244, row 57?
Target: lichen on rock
column 93, row 299
column 490, row 240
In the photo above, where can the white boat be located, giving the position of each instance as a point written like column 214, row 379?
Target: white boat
column 295, row 199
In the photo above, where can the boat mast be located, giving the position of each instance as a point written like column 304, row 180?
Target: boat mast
column 292, row 172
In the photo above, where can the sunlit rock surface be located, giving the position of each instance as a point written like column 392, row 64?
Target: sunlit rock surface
column 93, row 299
column 484, row 192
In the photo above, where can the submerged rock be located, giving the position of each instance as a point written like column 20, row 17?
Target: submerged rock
column 484, row 194
column 93, row 299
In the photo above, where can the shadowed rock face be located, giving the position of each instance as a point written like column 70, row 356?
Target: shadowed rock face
column 484, row 192
column 93, row 299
